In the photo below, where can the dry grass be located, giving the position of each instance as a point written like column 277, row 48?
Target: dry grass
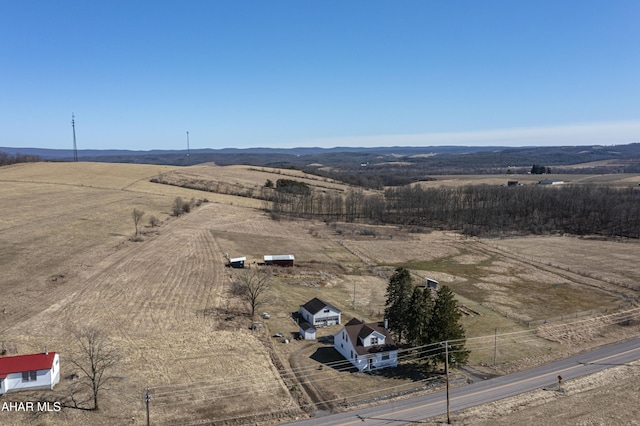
column 612, row 262
column 617, row 179
column 582, row 402
column 496, row 279
column 145, row 295
column 244, row 181
column 68, row 261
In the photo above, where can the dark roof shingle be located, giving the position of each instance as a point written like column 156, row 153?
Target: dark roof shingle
column 358, row 330
column 315, row 305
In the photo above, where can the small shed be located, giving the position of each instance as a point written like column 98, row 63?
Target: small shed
column 237, row 262
column 551, row 182
column 432, row 284
column 279, row 260
column 307, row 331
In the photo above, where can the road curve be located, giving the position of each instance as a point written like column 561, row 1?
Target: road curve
column 434, row 404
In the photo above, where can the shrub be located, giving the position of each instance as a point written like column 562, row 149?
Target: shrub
column 177, row 206
column 153, row 221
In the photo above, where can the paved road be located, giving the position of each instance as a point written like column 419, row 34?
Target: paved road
column 434, row 404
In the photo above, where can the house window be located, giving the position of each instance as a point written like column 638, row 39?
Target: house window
column 351, row 354
column 326, row 311
column 29, row 376
column 374, row 340
column 385, row 357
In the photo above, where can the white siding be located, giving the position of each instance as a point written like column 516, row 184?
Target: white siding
column 345, row 347
column 14, row 382
column 45, row 379
column 322, row 318
column 370, row 340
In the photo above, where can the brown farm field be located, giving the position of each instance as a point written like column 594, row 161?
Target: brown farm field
column 68, row 261
column 617, row 179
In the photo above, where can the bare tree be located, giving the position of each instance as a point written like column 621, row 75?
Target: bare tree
column 95, row 358
column 251, row 285
column 137, row 217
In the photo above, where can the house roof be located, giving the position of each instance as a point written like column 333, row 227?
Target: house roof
column 20, row 363
column 353, row 321
column 365, row 331
column 306, row 326
column 359, row 330
column 315, row 305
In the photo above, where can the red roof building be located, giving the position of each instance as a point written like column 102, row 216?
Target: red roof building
column 29, row 372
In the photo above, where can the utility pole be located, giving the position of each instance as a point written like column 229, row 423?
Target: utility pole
column 446, row 370
column 75, row 147
column 495, row 346
column 147, row 398
column 188, row 151
column 354, row 295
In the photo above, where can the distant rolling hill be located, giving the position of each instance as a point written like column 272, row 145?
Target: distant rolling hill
column 428, row 160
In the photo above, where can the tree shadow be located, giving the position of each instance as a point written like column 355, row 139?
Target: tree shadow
column 330, row 357
column 414, row 371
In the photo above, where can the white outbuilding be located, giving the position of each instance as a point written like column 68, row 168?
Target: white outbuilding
column 319, row 313
column 29, row 372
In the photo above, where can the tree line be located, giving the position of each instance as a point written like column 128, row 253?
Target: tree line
column 478, row 209
column 7, row 159
column 416, row 318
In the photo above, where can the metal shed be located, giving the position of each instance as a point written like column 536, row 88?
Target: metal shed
column 237, row 262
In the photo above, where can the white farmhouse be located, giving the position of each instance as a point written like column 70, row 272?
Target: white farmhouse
column 319, row 313
column 368, row 346
column 29, row 372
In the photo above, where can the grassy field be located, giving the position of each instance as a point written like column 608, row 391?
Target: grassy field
column 617, row 179
column 68, row 261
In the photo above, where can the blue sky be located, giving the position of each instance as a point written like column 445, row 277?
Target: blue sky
column 275, row 73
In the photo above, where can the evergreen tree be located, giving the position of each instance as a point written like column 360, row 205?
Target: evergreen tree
column 538, row 169
column 419, row 316
column 445, row 326
column 398, row 301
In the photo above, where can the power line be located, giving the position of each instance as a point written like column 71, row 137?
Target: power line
column 313, row 376
column 413, row 353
